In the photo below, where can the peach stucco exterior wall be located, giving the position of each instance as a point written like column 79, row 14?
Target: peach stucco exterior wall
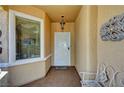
column 88, row 48
column 22, row 74
column 86, row 28
column 110, row 52
column 47, row 41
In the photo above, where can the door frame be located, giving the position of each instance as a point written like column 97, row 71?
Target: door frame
column 69, row 64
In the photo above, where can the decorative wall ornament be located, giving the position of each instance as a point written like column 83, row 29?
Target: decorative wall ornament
column 113, row 29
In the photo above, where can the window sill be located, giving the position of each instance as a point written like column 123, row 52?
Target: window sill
column 29, row 61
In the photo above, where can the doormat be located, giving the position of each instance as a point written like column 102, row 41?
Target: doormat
column 61, row 67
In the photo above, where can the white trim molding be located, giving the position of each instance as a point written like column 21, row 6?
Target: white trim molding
column 4, row 65
column 47, row 57
column 30, row 61
column 22, row 63
column 12, row 39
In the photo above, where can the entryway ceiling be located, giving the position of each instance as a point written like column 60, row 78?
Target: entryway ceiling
column 56, row 11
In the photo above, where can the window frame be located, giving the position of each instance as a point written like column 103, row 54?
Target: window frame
column 12, row 38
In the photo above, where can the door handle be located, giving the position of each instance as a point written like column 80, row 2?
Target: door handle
column 68, row 48
column 0, row 50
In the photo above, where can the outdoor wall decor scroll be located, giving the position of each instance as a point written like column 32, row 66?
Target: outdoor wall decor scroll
column 113, row 30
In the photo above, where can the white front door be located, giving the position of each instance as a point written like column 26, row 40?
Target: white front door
column 62, row 49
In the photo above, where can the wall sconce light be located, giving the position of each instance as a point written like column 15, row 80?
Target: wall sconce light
column 62, row 23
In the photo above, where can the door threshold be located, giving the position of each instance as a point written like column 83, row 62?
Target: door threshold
column 61, row 67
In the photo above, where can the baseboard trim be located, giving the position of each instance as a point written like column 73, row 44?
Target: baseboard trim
column 77, row 72
column 48, row 71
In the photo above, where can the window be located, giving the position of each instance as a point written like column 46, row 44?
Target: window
column 26, row 38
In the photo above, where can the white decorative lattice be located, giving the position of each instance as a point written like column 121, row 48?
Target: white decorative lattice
column 113, row 29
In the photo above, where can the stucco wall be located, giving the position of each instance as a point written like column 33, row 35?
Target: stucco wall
column 22, row 74
column 47, row 41
column 110, row 52
column 86, row 59
column 90, row 49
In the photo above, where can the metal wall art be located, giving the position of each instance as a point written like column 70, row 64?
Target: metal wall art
column 113, row 30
